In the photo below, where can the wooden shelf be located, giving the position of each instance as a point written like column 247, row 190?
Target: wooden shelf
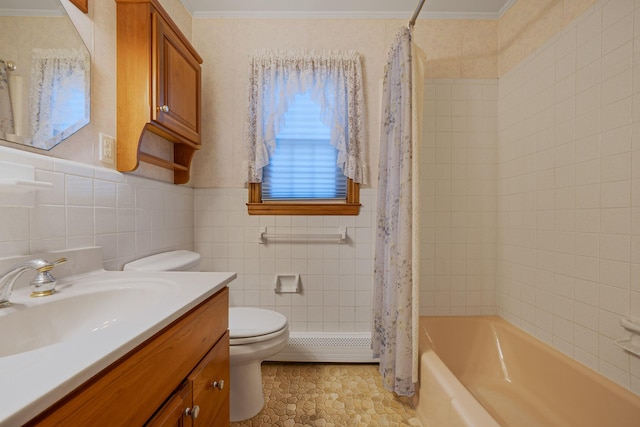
column 158, row 77
column 154, row 160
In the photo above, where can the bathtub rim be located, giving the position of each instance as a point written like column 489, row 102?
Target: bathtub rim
column 613, row 391
column 462, row 403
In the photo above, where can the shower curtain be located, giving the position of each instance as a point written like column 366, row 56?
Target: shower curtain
column 6, row 114
column 397, row 258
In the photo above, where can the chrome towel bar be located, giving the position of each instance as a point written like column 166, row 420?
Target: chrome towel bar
column 341, row 237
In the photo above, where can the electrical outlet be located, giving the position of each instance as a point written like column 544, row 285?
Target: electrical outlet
column 107, row 148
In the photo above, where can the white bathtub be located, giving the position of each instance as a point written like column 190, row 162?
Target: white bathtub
column 484, row 372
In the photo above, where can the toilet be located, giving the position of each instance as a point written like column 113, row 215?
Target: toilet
column 167, row 261
column 255, row 334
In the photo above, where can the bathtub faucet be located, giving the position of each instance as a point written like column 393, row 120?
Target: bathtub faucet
column 42, row 285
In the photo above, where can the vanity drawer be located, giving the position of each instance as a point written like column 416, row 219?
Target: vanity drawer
column 211, row 384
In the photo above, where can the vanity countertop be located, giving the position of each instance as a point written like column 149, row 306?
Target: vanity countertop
column 34, row 379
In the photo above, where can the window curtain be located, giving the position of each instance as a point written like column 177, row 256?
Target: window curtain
column 6, row 113
column 334, row 81
column 397, row 258
column 58, row 78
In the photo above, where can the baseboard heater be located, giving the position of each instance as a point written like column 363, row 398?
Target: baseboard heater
column 338, row 347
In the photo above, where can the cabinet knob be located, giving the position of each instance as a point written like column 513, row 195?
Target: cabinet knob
column 163, row 108
column 218, row 384
column 192, row 412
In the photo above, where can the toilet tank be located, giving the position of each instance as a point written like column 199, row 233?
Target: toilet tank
column 167, row 261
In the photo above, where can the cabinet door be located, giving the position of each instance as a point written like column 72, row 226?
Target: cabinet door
column 176, row 81
column 173, row 412
column 211, row 385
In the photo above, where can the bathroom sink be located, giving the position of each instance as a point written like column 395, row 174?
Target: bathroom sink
column 77, row 311
column 52, row 345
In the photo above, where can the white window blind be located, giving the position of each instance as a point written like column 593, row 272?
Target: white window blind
column 68, row 105
column 304, row 164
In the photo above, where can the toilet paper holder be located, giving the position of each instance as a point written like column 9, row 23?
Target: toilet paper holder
column 287, row 284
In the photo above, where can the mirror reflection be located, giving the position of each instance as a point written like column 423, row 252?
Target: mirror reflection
column 44, row 74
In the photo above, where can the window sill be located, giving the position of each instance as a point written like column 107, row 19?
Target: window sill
column 350, row 206
column 283, row 208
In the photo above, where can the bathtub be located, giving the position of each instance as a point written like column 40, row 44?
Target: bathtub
column 484, row 372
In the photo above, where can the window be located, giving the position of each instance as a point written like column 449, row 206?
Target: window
column 68, row 106
column 59, row 94
column 304, row 164
column 304, row 134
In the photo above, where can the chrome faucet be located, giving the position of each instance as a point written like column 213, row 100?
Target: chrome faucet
column 42, row 285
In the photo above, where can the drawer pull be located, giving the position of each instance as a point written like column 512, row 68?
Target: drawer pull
column 218, row 384
column 192, row 412
column 164, row 108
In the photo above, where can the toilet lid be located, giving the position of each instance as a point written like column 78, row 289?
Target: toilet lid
column 245, row 322
column 166, row 261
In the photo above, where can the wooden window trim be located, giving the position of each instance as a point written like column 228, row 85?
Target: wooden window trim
column 351, row 206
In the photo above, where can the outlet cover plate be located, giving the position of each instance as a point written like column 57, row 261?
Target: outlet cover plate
column 107, row 148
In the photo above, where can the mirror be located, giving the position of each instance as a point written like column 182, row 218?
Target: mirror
column 44, row 74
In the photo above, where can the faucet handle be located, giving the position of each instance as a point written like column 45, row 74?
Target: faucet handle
column 49, row 265
column 44, row 283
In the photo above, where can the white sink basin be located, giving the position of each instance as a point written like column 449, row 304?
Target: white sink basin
column 75, row 312
column 49, row 346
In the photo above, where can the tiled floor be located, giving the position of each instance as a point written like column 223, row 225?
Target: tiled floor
column 324, row 395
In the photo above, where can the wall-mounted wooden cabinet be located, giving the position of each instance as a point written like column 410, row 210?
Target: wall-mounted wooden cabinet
column 158, row 77
column 83, row 5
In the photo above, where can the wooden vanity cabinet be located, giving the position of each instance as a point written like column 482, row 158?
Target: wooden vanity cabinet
column 173, row 413
column 156, row 382
column 206, row 388
column 158, row 85
column 211, row 386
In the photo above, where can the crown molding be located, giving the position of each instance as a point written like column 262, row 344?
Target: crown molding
column 346, row 15
column 506, row 8
column 31, row 12
column 187, row 5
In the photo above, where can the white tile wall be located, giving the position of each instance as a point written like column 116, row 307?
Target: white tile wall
column 531, row 201
column 568, row 227
column 128, row 216
column 458, row 159
column 336, row 278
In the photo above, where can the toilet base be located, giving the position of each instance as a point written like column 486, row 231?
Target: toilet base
column 247, row 396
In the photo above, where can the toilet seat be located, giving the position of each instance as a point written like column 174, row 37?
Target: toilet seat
column 253, row 340
column 249, row 325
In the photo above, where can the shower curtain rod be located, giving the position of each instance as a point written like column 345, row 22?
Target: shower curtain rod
column 412, row 21
column 11, row 66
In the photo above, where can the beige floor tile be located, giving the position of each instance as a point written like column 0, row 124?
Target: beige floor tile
column 328, row 395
